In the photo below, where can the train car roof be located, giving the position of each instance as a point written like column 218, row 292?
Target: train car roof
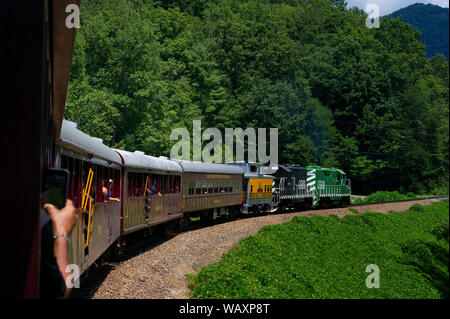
column 212, row 168
column 138, row 159
column 330, row 169
column 291, row 167
column 71, row 137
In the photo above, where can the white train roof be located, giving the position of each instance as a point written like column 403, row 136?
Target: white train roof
column 71, row 137
column 138, row 159
column 211, row 168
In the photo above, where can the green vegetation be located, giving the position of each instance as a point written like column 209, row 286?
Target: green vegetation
column 383, row 196
column 326, row 257
column 367, row 101
column 432, row 22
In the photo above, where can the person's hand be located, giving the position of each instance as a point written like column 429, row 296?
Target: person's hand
column 63, row 220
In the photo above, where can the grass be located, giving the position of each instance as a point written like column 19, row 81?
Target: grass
column 326, row 257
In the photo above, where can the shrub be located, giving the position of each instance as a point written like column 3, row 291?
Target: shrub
column 326, row 257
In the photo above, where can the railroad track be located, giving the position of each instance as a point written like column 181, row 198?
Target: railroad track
column 95, row 276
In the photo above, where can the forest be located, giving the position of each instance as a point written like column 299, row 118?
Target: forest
column 367, row 101
column 432, row 22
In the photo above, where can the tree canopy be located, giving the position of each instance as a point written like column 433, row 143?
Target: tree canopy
column 365, row 100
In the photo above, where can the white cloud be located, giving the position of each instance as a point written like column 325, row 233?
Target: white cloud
column 389, row 6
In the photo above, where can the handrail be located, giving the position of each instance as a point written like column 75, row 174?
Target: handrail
column 90, row 224
column 145, row 189
column 84, row 200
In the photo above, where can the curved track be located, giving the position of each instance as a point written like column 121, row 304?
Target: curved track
column 156, row 267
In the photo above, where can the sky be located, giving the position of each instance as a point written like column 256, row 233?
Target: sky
column 389, row 6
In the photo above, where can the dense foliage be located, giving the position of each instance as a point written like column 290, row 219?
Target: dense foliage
column 382, row 196
column 432, row 22
column 342, row 95
column 326, row 257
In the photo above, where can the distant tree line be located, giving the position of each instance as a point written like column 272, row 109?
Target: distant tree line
column 432, row 21
column 365, row 100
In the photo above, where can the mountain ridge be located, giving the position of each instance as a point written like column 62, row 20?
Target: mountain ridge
column 432, row 21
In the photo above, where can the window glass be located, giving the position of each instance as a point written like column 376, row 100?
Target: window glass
column 216, row 187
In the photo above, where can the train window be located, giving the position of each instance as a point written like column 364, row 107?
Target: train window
column 99, row 183
column 175, row 188
column 210, row 187
column 169, row 184
column 130, row 184
column 253, row 168
column 115, row 190
column 198, row 188
column 77, row 183
column 138, row 184
column 162, row 184
column 68, row 163
column 156, row 182
column 251, row 188
column 191, row 188
column 173, row 183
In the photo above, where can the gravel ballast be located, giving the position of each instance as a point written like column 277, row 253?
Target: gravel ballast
column 159, row 273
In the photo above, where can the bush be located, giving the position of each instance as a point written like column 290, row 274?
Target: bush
column 382, row 196
column 326, row 257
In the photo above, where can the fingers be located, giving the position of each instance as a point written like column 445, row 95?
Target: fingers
column 71, row 208
column 69, row 203
column 51, row 209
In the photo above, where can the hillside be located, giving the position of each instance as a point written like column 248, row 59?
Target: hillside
column 432, row 21
column 341, row 95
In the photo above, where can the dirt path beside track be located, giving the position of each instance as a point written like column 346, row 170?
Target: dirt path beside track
column 159, row 272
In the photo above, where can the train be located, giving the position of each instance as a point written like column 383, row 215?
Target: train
column 118, row 192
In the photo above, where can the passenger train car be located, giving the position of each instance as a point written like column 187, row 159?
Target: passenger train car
column 90, row 163
column 151, row 191
column 211, row 190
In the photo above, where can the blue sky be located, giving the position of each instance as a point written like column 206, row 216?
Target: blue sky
column 389, row 6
